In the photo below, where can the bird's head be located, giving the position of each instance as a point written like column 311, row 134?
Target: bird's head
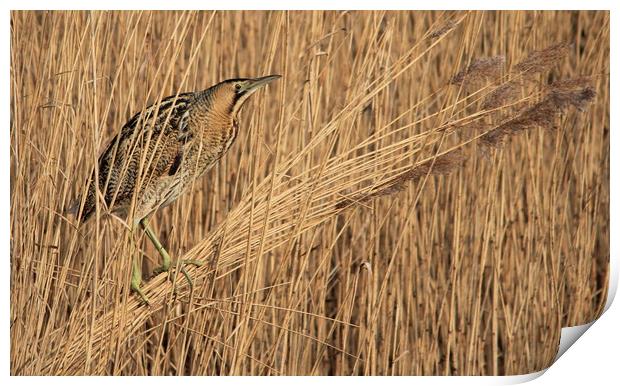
column 231, row 94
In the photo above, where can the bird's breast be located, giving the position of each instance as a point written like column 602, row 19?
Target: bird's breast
column 213, row 145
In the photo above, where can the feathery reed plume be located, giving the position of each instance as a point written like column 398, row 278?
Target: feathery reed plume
column 568, row 85
column 576, row 92
column 539, row 61
column 536, row 62
column 440, row 165
column 501, row 95
column 479, row 70
column 561, row 95
column 442, row 30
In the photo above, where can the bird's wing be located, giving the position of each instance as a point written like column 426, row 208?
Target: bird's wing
column 153, row 141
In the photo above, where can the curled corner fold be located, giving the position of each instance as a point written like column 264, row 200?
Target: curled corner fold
column 570, row 335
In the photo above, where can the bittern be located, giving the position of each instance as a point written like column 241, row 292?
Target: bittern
column 159, row 153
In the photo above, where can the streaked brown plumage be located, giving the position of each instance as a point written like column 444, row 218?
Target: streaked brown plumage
column 159, row 153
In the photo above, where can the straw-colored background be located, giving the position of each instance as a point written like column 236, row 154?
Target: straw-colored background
column 471, row 273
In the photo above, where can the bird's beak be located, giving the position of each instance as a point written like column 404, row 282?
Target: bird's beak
column 257, row 83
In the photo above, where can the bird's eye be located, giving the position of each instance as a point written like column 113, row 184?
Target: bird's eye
column 237, row 87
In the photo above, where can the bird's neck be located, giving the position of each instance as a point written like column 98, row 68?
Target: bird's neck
column 214, row 111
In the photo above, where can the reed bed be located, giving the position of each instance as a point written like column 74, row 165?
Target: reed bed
column 423, row 193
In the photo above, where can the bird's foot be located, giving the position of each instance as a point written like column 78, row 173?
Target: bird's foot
column 135, row 287
column 195, row 263
column 181, row 265
column 165, row 267
column 140, row 294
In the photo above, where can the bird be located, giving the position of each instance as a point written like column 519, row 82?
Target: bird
column 159, row 153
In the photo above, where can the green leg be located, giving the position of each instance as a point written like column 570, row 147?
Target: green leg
column 136, row 280
column 165, row 267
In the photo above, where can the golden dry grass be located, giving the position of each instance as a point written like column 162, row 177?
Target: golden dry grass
column 422, row 193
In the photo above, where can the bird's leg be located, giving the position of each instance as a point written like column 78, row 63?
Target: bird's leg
column 136, row 280
column 165, row 267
